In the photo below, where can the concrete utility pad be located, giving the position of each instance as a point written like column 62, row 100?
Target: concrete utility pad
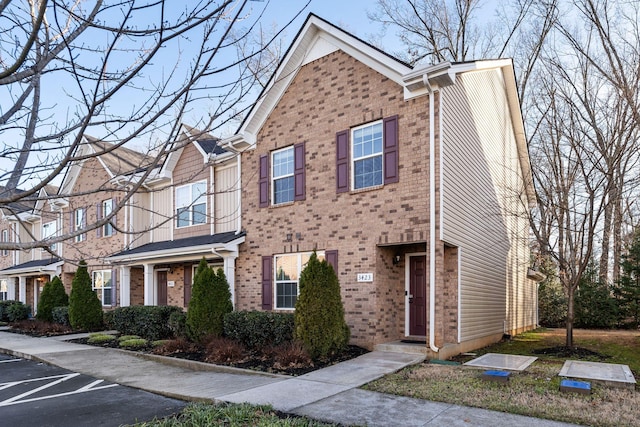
column 502, row 361
column 608, row 373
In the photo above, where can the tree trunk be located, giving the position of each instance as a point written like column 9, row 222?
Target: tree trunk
column 603, row 268
column 570, row 314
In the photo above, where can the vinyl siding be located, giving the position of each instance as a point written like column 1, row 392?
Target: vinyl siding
column 141, row 216
column 162, row 216
column 482, row 208
column 226, row 199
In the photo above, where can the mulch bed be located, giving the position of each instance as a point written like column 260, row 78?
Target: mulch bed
column 570, row 352
column 254, row 361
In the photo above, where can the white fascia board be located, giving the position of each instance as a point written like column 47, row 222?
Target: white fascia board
column 184, row 252
column 29, row 271
column 316, row 32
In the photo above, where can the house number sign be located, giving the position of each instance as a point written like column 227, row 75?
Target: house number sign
column 365, row 277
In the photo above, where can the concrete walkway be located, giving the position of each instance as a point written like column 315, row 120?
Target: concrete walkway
column 328, row 394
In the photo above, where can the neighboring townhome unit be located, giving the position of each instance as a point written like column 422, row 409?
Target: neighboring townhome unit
column 187, row 210
column 24, row 272
column 414, row 183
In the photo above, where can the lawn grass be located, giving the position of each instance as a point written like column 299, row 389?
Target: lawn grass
column 535, row 391
column 204, row 414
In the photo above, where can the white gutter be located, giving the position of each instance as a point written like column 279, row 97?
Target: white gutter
column 432, row 222
column 239, row 187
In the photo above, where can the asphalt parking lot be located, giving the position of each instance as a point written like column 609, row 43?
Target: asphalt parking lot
column 36, row 394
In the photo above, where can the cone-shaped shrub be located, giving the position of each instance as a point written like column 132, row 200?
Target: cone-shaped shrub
column 53, row 295
column 319, row 316
column 210, row 301
column 85, row 310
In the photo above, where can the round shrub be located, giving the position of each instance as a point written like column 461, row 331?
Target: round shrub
column 319, row 316
column 210, row 301
column 85, row 310
column 147, row 321
column 100, row 338
column 134, row 343
column 61, row 315
column 53, row 295
column 258, row 329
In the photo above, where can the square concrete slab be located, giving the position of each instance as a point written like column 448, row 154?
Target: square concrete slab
column 510, row 362
column 608, row 373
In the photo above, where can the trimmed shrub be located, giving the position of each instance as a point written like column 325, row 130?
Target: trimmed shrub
column 258, row 329
column 178, row 324
column 210, row 301
column 53, row 295
column 134, row 343
column 319, row 316
column 85, row 310
column 147, row 321
column 61, row 315
column 13, row 311
column 224, row 350
column 100, row 338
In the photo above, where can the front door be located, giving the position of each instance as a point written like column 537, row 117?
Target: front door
column 162, row 287
column 417, row 295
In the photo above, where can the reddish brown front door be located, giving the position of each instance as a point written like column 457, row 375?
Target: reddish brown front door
column 162, row 288
column 418, row 296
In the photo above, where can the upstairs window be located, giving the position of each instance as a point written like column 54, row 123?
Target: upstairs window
column 49, row 230
column 79, row 222
column 282, row 176
column 107, row 209
column 5, row 239
column 191, row 204
column 367, row 155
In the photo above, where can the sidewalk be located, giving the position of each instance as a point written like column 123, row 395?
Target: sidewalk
column 328, row 394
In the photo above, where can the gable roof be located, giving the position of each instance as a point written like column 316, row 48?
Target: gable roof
column 207, row 145
column 36, row 266
column 116, row 160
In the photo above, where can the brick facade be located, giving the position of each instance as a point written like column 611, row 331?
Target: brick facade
column 331, row 94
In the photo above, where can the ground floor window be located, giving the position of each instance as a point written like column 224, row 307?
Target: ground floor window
column 4, row 290
column 287, row 274
column 102, row 285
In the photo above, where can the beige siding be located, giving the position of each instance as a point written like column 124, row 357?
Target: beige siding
column 140, row 214
column 482, row 208
column 162, row 214
column 23, row 236
column 226, row 204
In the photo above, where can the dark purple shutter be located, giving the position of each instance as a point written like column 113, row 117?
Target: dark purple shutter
column 342, row 161
column 299, row 171
column 332, row 259
column 114, row 294
column 72, row 221
column 391, row 174
column 267, row 283
column 188, row 270
column 98, row 218
column 264, row 181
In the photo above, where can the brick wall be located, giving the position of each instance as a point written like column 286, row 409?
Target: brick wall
column 331, row 94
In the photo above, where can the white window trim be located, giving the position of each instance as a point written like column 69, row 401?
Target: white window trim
column 352, row 159
column 300, row 268
column 77, row 225
column 5, row 239
column 4, row 289
column 55, row 232
column 102, row 289
column 273, row 178
column 191, row 203
column 109, row 225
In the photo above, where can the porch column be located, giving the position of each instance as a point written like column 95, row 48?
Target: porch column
column 22, row 285
column 230, row 272
column 125, row 286
column 11, row 288
column 150, row 297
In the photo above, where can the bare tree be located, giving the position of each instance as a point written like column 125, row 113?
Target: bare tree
column 127, row 72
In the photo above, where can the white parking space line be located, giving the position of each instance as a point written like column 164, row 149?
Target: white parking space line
column 58, row 379
column 11, row 360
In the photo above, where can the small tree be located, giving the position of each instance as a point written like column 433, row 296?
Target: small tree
column 210, row 301
column 53, row 295
column 552, row 302
column 628, row 287
column 595, row 306
column 319, row 316
column 85, row 310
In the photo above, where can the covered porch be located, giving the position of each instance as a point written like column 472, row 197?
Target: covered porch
column 25, row 281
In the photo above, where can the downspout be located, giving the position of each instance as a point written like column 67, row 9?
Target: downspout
column 239, row 186
column 432, row 219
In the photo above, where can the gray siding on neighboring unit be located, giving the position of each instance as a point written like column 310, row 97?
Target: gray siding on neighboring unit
column 482, row 191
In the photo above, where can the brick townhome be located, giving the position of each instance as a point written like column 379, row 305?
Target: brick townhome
column 410, row 182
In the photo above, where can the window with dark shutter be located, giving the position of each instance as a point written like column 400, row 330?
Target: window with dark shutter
column 188, row 270
column 299, row 171
column 391, row 150
column 114, row 296
column 267, row 282
column 263, row 182
column 342, row 161
column 98, row 218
